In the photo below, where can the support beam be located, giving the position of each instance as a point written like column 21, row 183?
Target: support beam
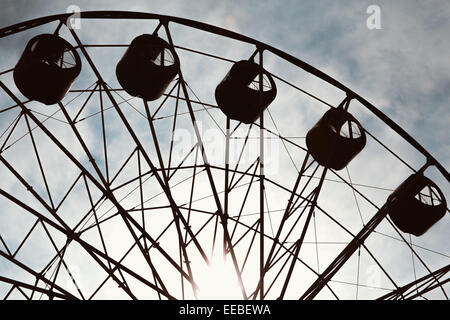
column 208, row 171
column 50, row 293
column 261, row 180
column 348, row 251
column 420, row 286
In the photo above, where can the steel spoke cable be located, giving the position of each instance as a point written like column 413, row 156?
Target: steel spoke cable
column 354, row 196
column 282, row 141
column 87, row 173
column 413, row 263
column 204, row 107
column 44, row 120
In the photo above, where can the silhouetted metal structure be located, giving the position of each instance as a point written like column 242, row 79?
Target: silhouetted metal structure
column 149, row 66
column 417, row 204
column 47, row 69
column 238, row 94
column 336, row 139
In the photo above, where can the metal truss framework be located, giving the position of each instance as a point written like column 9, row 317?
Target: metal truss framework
column 278, row 255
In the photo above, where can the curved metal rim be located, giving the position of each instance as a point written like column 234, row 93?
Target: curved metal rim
column 164, row 19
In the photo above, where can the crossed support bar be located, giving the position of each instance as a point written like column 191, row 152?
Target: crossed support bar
column 345, row 254
column 163, row 182
column 420, row 286
column 125, row 215
column 351, row 248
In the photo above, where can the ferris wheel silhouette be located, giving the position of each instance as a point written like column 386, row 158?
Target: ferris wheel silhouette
column 125, row 174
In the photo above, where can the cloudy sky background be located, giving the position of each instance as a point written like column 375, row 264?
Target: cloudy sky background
column 402, row 69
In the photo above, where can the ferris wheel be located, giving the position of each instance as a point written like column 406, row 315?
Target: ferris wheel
column 145, row 156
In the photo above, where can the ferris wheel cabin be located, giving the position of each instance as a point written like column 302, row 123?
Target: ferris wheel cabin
column 147, row 67
column 416, row 205
column 336, row 139
column 47, row 69
column 239, row 95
